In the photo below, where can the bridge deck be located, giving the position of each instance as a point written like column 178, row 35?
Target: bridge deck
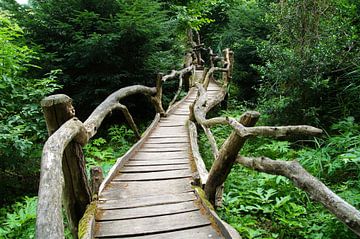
column 151, row 196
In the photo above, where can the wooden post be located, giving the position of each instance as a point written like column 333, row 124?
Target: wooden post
column 227, row 156
column 76, row 193
column 97, row 176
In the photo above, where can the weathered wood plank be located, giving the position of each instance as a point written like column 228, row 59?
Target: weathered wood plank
column 161, row 155
column 143, row 226
column 157, row 162
column 186, row 173
column 199, row 232
column 165, row 134
column 183, row 146
column 117, row 190
column 179, row 127
column 121, row 161
column 146, row 201
column 157, row 159
column 163, row 149
column 167, row 140
column 149, row 211
column 170, row 131
column 172, row 136
column 139, row 169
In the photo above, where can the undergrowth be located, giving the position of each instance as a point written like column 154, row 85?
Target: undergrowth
column 18, row 220
column 104, row 152
column 260, row 205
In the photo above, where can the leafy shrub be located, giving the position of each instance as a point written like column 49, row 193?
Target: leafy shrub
column 259, row 205
column 22, row 125
column 103, row 152
column 18, row 221
column 309, row 70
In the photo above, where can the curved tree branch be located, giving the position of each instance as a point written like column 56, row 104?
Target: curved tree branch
column 94, row 121
column 302, row 179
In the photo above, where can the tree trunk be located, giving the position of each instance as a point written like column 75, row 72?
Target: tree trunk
column 76, row 195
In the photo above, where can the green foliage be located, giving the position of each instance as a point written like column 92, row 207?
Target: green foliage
column 102, row 46
column 243, row 28
column 336, row 158
column 309, row 62
column 19, row 220
column 102, row 152
column 194, row 14
column 21, row 121
column 259, row 205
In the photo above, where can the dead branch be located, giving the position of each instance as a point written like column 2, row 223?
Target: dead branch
column 129, row 119
column 302, row 179
column 96, row 178
column 178, row 91
column 201, row 108
column 226, row 68
column 157, row 99
column 94, row 121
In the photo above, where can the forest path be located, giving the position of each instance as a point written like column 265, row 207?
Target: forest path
column 151, row 196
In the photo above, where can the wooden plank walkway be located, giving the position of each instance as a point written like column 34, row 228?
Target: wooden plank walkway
column 151, row 195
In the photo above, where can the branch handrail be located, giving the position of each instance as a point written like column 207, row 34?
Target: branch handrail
column 49, row 222
column 69, row 128
column 244, row 128
column 180, row 74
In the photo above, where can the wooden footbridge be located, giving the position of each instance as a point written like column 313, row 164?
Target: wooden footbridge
column 160, row 188
column 156, row 189
column 150, row 194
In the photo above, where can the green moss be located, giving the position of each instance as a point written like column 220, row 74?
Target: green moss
column 203, row 198
column 85, row 222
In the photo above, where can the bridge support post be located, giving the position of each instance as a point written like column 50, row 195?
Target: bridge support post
column 76, row 194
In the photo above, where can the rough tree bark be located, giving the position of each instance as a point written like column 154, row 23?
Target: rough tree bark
column 157, row 98
column 129, row 119
column 345, row 212
column 49, row 220
column 203, row 173
column 94, row 121
column 181, row 73
column 76, row 194
column 227, row 156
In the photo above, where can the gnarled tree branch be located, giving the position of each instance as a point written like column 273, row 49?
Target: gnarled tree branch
column 302, row 179
column 175, row 73
column 201, row 109
column 129, row 119
column 94, row 121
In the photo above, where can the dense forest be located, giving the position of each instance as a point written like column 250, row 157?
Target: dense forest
column 296, row 62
